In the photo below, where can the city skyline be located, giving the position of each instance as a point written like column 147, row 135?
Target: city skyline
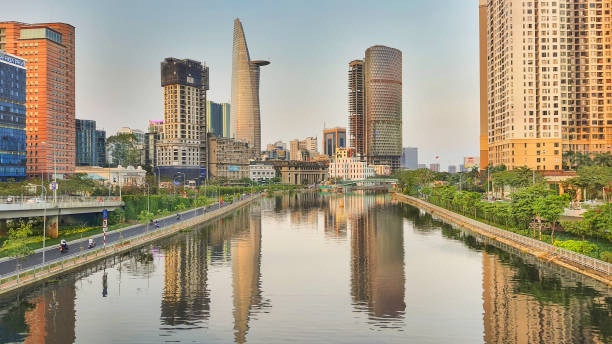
column 287, row 109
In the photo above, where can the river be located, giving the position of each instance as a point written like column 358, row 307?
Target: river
column 306, row 267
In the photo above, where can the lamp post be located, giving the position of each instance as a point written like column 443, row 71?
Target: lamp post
column 148, row 200
column 158, row 178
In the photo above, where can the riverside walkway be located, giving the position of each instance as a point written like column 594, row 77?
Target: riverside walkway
column 9, row 266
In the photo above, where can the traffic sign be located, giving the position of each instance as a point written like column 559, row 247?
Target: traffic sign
column 105, row 224
column 53, row 186
column 105, row 214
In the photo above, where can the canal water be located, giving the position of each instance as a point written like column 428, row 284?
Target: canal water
column 306, row 267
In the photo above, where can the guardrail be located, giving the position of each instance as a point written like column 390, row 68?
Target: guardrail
column 59, row 199
column 590, row 262
column 87, row 255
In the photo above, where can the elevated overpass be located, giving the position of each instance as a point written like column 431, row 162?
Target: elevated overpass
column 20, row 207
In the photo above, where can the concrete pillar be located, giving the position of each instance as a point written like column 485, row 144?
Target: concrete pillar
column 53, row 226
column 3, row 228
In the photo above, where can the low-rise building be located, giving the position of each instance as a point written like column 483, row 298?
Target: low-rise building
column 434, row 167
column 452, row 169
column 300, row 172
column 350, row 168
column 228, row 158
column 382, row 170
column 124, row 176
column 261, row 171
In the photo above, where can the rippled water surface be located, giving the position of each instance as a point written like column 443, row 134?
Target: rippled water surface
column 352, row 268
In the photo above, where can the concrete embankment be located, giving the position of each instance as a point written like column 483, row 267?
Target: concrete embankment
column 31, row 278
column 586, row 266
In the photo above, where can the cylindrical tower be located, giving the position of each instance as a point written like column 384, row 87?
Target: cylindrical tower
column 383, row 111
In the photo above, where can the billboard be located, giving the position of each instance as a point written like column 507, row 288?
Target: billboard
column 471, row 161
column 233, row 168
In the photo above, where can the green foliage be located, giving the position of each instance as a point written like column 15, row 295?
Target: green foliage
column 583, row 247
column 16, row 245
column 606, row 256
column 116, row 217
column 144, row 217
column 592, row 178
column 599, row 221
column 124, row 149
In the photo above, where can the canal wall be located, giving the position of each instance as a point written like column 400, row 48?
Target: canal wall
column 584, row 265
column 49, row 271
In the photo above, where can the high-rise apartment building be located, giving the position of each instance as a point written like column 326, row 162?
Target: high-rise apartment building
column 100, row 148
column 303, row 150
column 549, row 83
column 375, row 105
column 435, row 167
column 12, row 117
column 410, row 158
column 85, row 143
column 218, row 118
column 356, row 106
column 333, row 139
column 245, row 113
column 48, row 49
column 183, row 146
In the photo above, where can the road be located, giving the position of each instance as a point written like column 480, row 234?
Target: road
column 52, row 253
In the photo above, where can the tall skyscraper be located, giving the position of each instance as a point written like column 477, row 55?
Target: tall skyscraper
column 333, row 139
column 48, row 49
column 383, row 110
column 549, row 89
column 218, row 118
column 12, row 118
column 356, row 107
column 410, row 158
column 484, row 106
column 185, row 83
column 375, row 105
column 245, row 114
column 100, row 148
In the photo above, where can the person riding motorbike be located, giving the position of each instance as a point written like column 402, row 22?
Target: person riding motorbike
column 63, row 245
column 178, row 217
column 156, row 224
column 91, row 243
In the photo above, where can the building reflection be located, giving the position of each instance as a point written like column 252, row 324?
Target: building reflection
column 377, row 259
column 246, row 275
column 517, row 310
column 185, row 297
column 52, row 317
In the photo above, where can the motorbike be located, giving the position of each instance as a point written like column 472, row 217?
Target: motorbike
column 91, row 244
column 63, row 248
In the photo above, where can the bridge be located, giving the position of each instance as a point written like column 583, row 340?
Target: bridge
column 20, row 207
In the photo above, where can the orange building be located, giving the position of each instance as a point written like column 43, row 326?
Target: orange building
column 48, row 49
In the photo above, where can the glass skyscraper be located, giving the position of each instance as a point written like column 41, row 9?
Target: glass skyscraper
column 12, row 118
column 85, row 142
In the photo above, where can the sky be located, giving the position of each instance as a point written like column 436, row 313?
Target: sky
column 120, row 45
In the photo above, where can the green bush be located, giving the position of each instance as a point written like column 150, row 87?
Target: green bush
column 606, row 256
column 583, row 247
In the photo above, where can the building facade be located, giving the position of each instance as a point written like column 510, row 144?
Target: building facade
column 261, row 171
column 303, row 150
column 333, row 139
column 124, row 176
column 434, row 167
column 229, row 158
column 218, row 118
column 356, row 85
column 245, row 113
column 382, row 170
column 48, row 49
column 182, row 147
column 350, row 168
column 383, row 105
column 452, row 168
column 12, row 117
column 548, row 84
column 410, row 158
column 100, row 148
column 86, row 142
column 300, row 172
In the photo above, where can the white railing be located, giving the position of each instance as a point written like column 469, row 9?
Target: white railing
column 571, row 256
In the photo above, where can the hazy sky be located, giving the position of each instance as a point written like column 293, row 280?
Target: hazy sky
column 120, row 44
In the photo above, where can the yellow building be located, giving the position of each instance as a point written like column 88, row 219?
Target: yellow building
column 546, row 83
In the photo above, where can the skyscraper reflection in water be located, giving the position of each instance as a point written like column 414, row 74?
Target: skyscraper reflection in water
column 246, row 275
column 377, row 260
column 52, row 318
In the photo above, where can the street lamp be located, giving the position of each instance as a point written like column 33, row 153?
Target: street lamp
column 148, row 200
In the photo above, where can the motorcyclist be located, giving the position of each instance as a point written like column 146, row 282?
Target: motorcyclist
column 91, row 243
column 156, row 224
column 178, row 217
column 63, row 245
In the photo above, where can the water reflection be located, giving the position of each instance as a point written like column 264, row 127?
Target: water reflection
column 209, row 285
column 523, row 303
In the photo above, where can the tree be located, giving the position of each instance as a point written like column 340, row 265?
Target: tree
column 599, row 221
column 550, row 208
column 592, row 179
column 124, row 150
